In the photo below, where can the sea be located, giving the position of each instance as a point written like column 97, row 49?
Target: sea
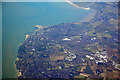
column 20, row 18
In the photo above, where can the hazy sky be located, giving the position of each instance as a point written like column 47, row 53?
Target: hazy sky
column 59, row 0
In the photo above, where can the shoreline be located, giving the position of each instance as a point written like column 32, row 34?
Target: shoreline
column 89, row 16
column 17, row 72
column 77, row 5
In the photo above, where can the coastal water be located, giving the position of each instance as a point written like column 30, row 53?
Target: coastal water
column 0, row 40
column 19, row 18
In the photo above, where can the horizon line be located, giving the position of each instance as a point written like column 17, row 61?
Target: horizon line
column 59, row 0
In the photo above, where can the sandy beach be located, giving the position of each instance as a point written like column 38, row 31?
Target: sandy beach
column 77, row 5
column 26, row 36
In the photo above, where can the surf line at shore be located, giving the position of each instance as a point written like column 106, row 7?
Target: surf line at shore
column 77, row 5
